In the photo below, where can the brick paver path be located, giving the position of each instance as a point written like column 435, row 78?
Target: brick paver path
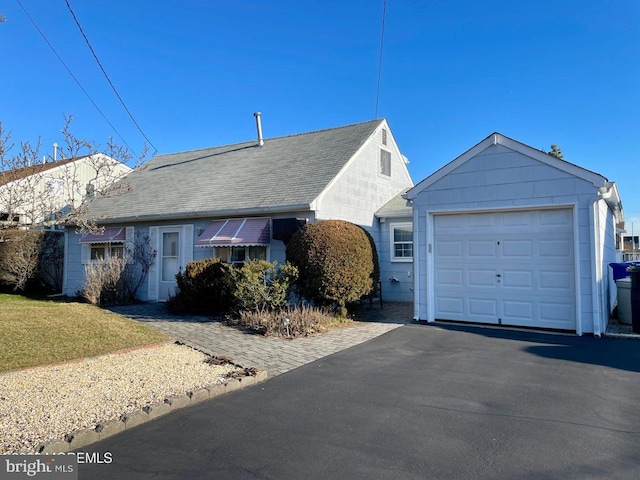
column 276, row 355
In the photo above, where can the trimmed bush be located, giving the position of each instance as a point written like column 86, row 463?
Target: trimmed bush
column 335, row 260
column 262, row 285
column 205, row 287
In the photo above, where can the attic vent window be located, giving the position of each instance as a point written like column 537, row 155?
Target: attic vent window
column 384, row 136
column 385, row 162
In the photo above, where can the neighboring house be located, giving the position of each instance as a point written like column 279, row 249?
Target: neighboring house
column 36, row 194
column 507, row 234
column 245, row 201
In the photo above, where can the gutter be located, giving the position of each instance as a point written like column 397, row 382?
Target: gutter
column 232, row 212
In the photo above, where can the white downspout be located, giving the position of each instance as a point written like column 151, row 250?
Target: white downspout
column 416, row 266
column 597, row 293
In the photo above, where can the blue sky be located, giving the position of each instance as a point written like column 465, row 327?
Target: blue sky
column 193, row 72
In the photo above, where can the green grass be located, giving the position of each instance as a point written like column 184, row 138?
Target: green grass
column 40, row 332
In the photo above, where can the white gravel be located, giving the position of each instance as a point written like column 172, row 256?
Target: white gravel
column 46, row 403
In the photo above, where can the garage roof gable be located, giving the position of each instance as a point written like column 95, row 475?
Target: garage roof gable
column 498, row 139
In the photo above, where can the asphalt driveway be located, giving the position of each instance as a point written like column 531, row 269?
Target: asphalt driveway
column 418, row 402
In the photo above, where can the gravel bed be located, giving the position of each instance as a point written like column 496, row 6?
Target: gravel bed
column 46, row 403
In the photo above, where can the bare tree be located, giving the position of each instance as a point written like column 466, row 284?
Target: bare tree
column 48, row 190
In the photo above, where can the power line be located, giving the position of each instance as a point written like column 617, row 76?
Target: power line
column 74, row 77
column 107, row 76
column 384, row 15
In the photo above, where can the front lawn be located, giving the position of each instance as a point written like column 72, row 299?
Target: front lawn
column 40, row 332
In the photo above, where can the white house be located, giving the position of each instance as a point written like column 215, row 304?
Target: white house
column 507, row 234
column 34, row 194
column 246, row 200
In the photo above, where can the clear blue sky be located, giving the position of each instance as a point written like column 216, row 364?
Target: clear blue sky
column 193, row 72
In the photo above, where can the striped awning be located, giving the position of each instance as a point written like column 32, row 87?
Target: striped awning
column 109, row 235
column 236, row 232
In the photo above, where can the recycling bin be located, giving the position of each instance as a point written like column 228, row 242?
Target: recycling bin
column 634, row 273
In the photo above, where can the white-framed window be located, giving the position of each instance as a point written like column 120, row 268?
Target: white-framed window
column 401, row 236
column 385, row 162
column 384, row 136
column 102, row 251
column 241, row 254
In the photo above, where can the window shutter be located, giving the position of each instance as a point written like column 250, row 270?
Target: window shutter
column 129, row 243
column 153, row 271
column 85, row 253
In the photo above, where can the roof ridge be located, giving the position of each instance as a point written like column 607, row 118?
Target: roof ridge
column 246, row 142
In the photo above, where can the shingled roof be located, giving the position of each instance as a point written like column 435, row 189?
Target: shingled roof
column 7, row 176
column 285, row 174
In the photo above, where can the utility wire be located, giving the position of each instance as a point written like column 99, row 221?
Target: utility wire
column 74, row 77
column 384, row 15
column 107, row 77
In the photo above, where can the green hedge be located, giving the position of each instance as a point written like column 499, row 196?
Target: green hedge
column 337, row 262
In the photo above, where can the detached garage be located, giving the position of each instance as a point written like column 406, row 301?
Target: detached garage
column 506, row 234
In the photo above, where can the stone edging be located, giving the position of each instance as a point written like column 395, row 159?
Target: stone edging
column 82, row 438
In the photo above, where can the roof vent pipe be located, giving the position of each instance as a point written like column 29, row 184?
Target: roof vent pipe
column 259, row 127
column 55, row 152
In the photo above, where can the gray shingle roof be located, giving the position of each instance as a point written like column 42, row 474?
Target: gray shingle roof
column 286, row 173
column 396, row 207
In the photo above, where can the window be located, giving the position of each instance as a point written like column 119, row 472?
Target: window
column 385, row 162
column 170, row 258
column 384, row 136
column 241, row 254
column 101, row 251
column 401, row 242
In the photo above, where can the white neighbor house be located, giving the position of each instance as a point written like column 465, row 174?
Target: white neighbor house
column 507, row 234
column 33, row 194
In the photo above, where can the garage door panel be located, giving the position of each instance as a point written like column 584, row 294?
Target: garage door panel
column 555, row 248
column 482, row 307
column 514, row 268
column 481, row 248
column 558, row 281
column 554, row 314
column 517, row 279
column 450, row 306
column 517, row 248
column 556, row 218
column 481, row 278
column 450, row 248
column 449, row 277
column 517, row 310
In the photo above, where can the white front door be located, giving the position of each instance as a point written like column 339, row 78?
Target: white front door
column 169, row 262
column 511, row 268
column 174, row 249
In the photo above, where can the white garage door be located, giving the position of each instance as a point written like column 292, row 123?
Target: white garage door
column 510, row 268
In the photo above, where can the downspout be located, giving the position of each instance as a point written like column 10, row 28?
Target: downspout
column 597, row 293
column 416, row 264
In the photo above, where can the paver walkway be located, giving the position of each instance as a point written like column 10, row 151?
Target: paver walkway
column 276, row 355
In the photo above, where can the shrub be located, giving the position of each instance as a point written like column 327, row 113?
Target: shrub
column 19, row 256
column 205, row 286
column 335, row 260
column 115, row 280
column 101, row 280
column 262, row 285
column 303, row 321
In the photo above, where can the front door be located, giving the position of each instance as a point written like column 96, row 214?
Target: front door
column 169, row 262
